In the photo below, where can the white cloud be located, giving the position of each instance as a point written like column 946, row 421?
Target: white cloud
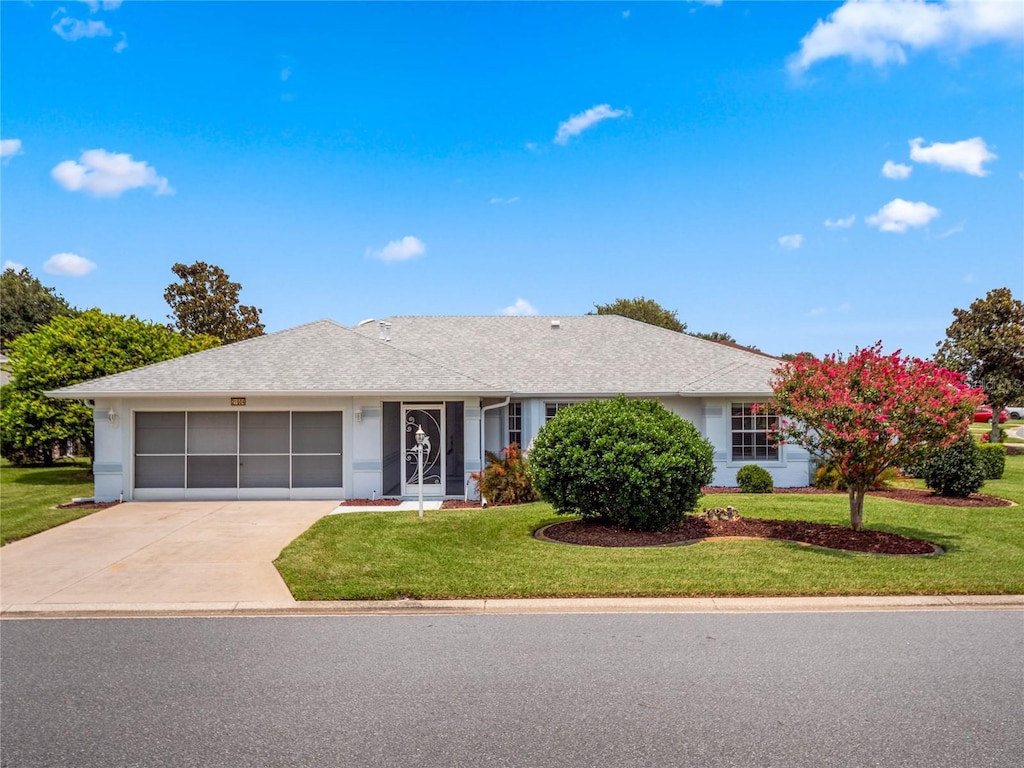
column 521, row 307
column 106, row 5
column 899, row 215
column 882, row 32
column 816, row 312
column 504, row 200
column 791, row 242
column 625, row 14
column 68, row 264
column 108, row 174
column 968, row 155
column 531, row 146
column 73, row 29
column 844, row 223
column 10, row 147
column 577, row 124
column 400, row 250
column 13, row 265
column 121, row 44
column 285, row 74
column 893, row 170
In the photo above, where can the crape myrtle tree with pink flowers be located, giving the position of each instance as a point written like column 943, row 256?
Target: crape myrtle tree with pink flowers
column 869, row 412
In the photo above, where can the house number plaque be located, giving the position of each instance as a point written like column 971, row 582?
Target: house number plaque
column 238, row 401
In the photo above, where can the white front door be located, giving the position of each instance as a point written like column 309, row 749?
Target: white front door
column 431, row 419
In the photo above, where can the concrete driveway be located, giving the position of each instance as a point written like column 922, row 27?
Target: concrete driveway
column 159, row 553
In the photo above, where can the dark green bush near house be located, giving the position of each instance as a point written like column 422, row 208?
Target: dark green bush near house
column 631, row 463
column 955, row 471
column 504, row 479
column 754, row 479
column 993, row 460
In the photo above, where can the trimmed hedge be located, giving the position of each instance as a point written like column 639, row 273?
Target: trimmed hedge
column 955, row 471
column 631, row 463
column 993, row 460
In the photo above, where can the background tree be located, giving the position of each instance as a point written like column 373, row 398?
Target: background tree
column 645, row 310
column 26, row 304
column 206, row 302
column 870, row 412
column 986, row 342
column 715, row 336
column 68, row 350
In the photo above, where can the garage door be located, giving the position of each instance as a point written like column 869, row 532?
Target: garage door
column 230, row 454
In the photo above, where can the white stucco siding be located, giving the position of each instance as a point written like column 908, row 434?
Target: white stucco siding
column 790, row 470
column 711, row 416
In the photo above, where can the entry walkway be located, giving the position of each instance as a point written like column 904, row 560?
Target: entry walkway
column 158, row 553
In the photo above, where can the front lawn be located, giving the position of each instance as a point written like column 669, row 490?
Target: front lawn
column 490, row 553
column 28, row 497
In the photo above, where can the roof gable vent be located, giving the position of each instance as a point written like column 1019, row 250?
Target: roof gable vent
column 385, row 331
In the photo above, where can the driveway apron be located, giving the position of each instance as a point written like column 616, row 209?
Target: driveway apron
column 159, row 553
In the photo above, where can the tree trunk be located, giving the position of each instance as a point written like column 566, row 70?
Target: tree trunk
column 856, row 508
column 997, row 408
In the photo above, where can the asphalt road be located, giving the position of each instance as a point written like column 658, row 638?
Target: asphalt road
column 796, row 690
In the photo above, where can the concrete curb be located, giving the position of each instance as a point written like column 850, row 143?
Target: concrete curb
column 521, row 606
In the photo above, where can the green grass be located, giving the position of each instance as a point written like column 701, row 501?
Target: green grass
column 476, row 554
column 28, row 497
column 1011, row 426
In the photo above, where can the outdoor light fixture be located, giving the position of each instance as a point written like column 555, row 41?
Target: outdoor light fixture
column 359, row 414
column 112, row 417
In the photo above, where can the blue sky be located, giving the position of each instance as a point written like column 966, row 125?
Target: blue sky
column 804, row 176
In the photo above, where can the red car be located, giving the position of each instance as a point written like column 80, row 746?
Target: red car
column 984, row 415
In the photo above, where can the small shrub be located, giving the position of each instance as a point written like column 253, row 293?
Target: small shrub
column 993, row 460
column 631, row 463
column 955, row 471
column 754, row 479
column 505, row 480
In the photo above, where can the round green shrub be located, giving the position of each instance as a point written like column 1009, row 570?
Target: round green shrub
column 631, row 463
column 754, row 479
column 993, row 460
column 955, row 471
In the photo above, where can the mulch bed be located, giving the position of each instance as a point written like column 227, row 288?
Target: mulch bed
column 460, row 504
column 912, row 495
column 369, row 503
column 88, row 505
column 693, row 528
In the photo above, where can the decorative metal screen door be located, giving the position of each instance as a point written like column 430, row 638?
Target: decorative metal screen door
column 430, row 417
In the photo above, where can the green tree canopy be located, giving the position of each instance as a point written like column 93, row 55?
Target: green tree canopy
column 68, row 350
column 642, row 309
column 715, row 336
column 986, row 342
column 206, row 302
column 26, row 304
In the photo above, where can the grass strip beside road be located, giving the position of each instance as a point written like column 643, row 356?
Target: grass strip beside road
column 28, row 497
column 491, row 553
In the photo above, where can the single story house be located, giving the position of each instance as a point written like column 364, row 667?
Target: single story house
column 327, row 411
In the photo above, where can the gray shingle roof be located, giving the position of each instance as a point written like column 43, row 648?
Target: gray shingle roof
column 489, row 355
column 323, row 357
column 590, row 354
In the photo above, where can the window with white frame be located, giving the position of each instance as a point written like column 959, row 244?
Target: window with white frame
column 515, row 424
column 751, row 438
column 550, row 409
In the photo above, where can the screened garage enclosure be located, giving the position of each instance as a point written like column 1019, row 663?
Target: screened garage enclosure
column 238, row 455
